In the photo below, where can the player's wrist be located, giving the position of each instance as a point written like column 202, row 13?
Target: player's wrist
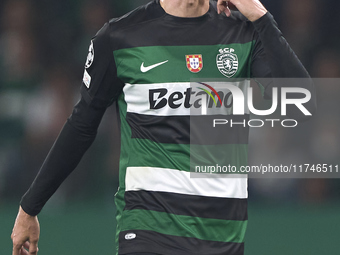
column 259, row 13
column 23, row 213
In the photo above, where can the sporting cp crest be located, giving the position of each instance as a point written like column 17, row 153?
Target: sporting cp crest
column 194, row 63
column 227, row 62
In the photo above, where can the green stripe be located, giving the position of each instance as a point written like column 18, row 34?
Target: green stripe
column 185, row 226
column 129, row 61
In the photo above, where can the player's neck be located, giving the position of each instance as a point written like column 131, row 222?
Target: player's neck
column 185, row 8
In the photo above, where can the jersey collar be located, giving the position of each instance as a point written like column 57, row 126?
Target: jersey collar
column 183, row 20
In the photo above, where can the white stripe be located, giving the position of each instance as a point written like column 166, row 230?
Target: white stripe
column 180, row 182
column 137, row 98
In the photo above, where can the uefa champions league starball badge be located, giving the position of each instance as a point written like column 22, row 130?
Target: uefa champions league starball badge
column 90, row 56
column 227, row 62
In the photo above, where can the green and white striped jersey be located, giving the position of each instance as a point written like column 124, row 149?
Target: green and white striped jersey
column 146, row 62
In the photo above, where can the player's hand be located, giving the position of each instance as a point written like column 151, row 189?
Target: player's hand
column 251, row 9
column 25, row 234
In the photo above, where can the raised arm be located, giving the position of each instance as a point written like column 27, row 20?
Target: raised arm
column 273, row 57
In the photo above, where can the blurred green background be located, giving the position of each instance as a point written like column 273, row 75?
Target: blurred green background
column 272, row 229
column 43, row 48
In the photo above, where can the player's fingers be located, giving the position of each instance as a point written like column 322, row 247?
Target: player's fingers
column 16, row 251
column 27, row 245
column 23, row 251
column 227, row 12
column 33, row 248
column 16, row 246
column 221, row 6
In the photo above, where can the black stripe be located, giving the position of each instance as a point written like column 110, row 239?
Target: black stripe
column 188, row 130
column 140, row 25
column 150, row 241
column 143, row 253
column 180, row 204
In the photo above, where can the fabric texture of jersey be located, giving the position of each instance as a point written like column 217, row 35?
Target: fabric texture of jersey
column 156, row 67
column 146, row 55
